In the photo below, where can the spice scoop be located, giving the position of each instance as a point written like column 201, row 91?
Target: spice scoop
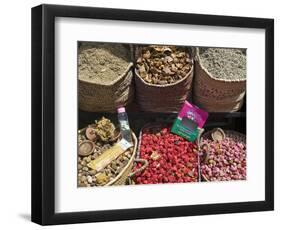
column 217, row 134
column 86, row 148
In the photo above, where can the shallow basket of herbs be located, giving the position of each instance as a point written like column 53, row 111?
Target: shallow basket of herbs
column 220, row 79
column 105, row 76
column 171, row 159
column 92, row 143
column 164, row 77
column 223, row 155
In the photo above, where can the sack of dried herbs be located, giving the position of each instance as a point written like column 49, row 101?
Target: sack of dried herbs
column 105, row 76
column 163, row 77
column 220, row 79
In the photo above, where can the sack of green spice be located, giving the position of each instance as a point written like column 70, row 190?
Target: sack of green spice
column 220, row 80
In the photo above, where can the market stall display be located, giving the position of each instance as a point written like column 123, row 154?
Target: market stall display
column 170, row 149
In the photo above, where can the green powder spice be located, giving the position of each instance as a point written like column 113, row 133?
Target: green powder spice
column 225, row 64
column 102, row 63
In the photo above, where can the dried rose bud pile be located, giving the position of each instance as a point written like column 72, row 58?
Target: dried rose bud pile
column 225, row 161
column 161, row 65
column 171, row 159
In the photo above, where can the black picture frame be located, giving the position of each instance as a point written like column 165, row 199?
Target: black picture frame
column 43, row 118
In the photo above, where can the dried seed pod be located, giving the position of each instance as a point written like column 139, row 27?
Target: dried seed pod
column 179, row 65
column 102, row 178
column 146, row 55
column 167, row 51
column 163, row 82
column 81, row 138
column 169, row 59
column 139, row 60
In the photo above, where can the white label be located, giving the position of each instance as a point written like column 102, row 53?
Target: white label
column 124, row 144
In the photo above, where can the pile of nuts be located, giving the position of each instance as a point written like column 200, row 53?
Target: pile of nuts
column 88, row 177
column 162, row 65
column 171, row 159
column 224, row 160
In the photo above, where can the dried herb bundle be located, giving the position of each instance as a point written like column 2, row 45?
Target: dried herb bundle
column 161, row 65
column 104, row 129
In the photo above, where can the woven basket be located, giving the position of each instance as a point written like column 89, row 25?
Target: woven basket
column 228, row 133
column 162, row 98
column 106, row 97
column 216, row 95
column 152, row 126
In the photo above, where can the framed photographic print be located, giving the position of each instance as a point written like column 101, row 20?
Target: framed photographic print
column 142, row 114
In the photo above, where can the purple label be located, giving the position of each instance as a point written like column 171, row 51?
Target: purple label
column 193, row 113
